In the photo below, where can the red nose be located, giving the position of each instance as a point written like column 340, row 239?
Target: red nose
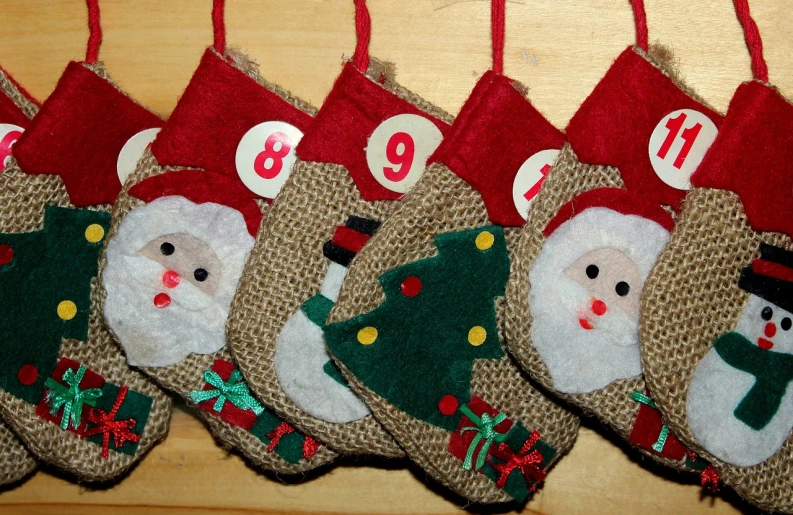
column 171, row 279
column 770, row 329
column 598, row 307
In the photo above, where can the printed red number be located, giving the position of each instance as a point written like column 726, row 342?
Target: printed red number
column 689, row 137
column 5, row 146
column 268, row 164
column 536, row 188
column 403, row 159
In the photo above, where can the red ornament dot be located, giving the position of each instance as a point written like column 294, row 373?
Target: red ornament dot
column 6, row 254
column 448, row 405
column 28, row 374
column 411, row 286
column 162, row 300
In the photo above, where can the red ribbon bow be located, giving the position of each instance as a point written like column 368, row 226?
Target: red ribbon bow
column 528, row 463
column 710, row 479
column 106, row 425
column 275, row 436
column 310, row 447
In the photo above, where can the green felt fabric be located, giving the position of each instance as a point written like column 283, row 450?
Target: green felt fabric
column 317, row 309
column 290, row 448
column 773, row 372
column 422, row 351
column 52, row 265
column 135, row 406
column 333, row 371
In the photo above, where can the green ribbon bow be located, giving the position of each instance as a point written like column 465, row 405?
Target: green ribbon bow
column 235, row 390
column 485, row 430
column 658, row 446
column 71, row 397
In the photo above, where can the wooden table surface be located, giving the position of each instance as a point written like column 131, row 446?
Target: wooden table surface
column 559, row 48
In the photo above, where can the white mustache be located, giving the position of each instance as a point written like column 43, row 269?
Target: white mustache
column 148, row 274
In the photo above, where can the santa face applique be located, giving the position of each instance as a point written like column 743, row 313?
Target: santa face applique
column 585, row 289
column 739, row 404
column 171, row 274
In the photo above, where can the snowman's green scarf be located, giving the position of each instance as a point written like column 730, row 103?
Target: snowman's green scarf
column 773, row 372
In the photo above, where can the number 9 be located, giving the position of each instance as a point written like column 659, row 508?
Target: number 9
column 402, row 159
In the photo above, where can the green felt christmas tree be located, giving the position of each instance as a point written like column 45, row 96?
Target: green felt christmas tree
column 45, row 289
column 417, row 349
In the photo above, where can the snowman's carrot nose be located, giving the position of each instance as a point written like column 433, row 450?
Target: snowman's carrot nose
column 770, row 329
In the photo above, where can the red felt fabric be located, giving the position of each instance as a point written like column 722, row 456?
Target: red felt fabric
column 616, row 199
column 753, row 156
column 774, row 270
column 614, row 124
column 349, row 239
column 9, row 112
column 230, row 413
column 78, row 134
column 200, row 187
column 646, row 430
column 90, row 380
column 218, row 107
column 354, row 108
column 496, row 131
column 460, row 442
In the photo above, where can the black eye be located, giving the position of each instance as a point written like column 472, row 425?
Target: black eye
column 786, row 323
column 622, row 288
column 767, row 313
column 592, row 271
column 200, row 275
column 167, row 249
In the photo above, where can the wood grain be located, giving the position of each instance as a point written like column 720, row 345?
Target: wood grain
column 559, row 48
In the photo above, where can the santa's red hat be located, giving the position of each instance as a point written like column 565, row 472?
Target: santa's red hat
column 616, row 199
column 201, row 187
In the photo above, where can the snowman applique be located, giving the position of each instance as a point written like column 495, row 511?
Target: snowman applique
column 739, row 404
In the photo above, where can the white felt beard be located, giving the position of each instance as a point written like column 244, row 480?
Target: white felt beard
column 581, row 360
column 716, row 389
column 193, row 322
column 300, row 357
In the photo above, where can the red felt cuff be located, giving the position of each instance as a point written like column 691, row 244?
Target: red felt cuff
column 353, row 110
column 496, row 131
column 78, row 134
column 218, row 107
column 613, row 126
column 9, row 111
column 753, row 156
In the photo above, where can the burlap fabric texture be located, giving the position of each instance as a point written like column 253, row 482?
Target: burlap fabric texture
column 287, row 267
column 23, row 199
column 692, row 297
column 187, row 376
column 15, row 461
column 568, row 178
column 442, row 202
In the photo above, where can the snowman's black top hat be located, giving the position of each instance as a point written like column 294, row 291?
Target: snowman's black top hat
column 771, row 276
column 349, row 239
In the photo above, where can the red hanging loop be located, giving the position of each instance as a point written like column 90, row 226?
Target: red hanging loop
column 642, row 36
column 753, row 40
column 219, row 25
column 363, row 31
column 498, row 21
column 95, row 32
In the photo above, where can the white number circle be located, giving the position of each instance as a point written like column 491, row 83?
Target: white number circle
column 132, row 151
column 9, row 134
column 678, row 144
column 265, row 157
column 529, row 179
column 398, row 150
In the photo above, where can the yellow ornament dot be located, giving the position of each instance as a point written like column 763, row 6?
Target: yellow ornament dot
column 367, row 335
column 485, row 240
column 67, row 310
column 477, row 335
column 94, row 233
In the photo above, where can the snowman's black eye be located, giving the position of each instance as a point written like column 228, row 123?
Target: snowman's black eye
column 592, row 271
column 622, row 288
column 767, row 313
column 200, row 275
column 786, row 323
column 167, row 249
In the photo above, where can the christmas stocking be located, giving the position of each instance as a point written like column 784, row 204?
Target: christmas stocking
column 593, row 235
column 417, row 327
column 180, row 239
column 368, row 145
column 717, row 343
column 16, row 109
column 65, row 388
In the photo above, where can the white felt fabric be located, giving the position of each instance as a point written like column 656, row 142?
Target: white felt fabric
column 301, row 354
column 716, row 389
column 581, row 360
column 194, row 321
